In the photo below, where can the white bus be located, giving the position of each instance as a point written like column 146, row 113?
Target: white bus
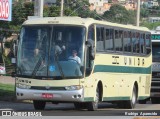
column 115, row 63
column 155, row 84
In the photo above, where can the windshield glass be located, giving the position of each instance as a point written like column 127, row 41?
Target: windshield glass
column 51, row 51
column 156, row 53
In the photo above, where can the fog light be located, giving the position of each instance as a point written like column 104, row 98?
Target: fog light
column 79, row 96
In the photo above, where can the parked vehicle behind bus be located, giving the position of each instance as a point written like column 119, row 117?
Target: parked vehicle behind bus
column 115, row 62
column 155, row 85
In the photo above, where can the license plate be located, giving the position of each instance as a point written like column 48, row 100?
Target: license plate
column 47, row 95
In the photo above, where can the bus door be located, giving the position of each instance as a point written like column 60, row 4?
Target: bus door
column 90, row 50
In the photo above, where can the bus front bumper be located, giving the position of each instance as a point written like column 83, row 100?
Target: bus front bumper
column 50, row 95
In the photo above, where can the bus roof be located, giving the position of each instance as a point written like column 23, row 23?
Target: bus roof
column 78, row 21
column 155, row 32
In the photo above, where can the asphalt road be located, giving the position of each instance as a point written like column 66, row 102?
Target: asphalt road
column 105, row 109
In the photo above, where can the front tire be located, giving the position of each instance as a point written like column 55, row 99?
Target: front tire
column 39, row 105
column 92, row 106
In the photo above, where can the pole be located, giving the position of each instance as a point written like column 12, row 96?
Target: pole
column 41, row 8
column 38, row 8
column 61, row 13
column 138, row 12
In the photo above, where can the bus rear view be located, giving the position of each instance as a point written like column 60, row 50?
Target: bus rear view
column 155, row 88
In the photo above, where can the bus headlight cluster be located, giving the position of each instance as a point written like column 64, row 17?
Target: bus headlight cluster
column 76, row 87
column 23, row 86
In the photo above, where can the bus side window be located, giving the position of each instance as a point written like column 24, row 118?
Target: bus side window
column 109, row 39
column 127, row 41
column 142, row 45
column 100, row 39
column 118, row 40
column 148, row 43
column 135, row 42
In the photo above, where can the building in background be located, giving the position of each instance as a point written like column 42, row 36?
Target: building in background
column 100, row 6
column 154, row 19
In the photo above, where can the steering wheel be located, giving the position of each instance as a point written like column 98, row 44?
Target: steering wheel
column 73, row 60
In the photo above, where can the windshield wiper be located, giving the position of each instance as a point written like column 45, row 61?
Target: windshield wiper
column 59, row 66
column 37, row 66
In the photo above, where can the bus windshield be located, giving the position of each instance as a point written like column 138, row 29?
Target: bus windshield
column 156, row 53
column 50, row 51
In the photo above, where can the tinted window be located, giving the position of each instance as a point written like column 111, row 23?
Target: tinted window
column 142, row 45
column 118, row 40
column 109, row 39
column 127, row 41
column 100, row 39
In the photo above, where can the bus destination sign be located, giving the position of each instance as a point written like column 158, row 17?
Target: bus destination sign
column 155, row 37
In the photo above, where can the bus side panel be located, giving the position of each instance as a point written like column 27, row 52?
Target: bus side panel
column 119, row 74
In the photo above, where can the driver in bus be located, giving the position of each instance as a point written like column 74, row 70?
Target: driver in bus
column 75, row 58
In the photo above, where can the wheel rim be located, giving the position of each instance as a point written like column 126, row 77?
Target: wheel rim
column 97, row 98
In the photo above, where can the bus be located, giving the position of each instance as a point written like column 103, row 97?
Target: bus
column 155, row 84
column 115, row 63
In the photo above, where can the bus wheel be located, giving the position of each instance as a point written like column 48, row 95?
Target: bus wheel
column 39, row 105
column 92, row 106
column 131, row 103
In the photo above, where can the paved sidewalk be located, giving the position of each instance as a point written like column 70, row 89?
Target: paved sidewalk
column 7, row 80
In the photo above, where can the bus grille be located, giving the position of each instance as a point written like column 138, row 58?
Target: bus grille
column 47, row 88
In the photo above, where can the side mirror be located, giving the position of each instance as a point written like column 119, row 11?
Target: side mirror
column 91, row 46
column 89, row 43
column 148, row 50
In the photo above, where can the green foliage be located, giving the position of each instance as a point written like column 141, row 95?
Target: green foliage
column 21, row 10
column 109, row 1
column 7, row 92
column 144, row 13
column 7, row 59
column 7, row 44
column 118, row 14
column 54, row 11
column 150, row 26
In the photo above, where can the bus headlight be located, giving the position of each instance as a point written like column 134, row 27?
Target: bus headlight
column 76, row 87
column 23, row 86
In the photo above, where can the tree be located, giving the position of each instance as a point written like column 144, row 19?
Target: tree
column 149, row 25
column 144, row 12
column 118, row 14
column 21, row 10
column 71, row 8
